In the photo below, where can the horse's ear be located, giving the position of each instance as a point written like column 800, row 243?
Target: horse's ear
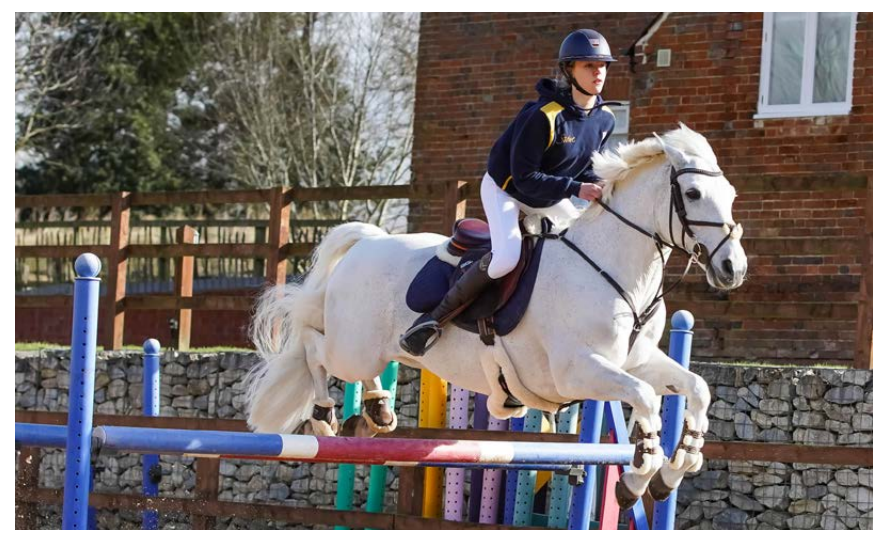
column 675, row 156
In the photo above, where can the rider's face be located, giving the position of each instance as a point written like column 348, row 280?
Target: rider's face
column 590, row 75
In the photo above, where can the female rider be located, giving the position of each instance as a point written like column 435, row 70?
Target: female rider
column 542, row 159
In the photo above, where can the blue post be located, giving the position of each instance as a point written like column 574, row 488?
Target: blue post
column 561, row 491
column 673, row 411
column 75, row 514
column 151, row 408
column 583, row 495
column 517, row 425
column 616, row 425
column 481, row 418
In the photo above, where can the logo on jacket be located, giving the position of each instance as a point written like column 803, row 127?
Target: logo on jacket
column 567, row 140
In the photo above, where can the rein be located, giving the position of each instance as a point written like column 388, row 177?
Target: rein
column 676, row 206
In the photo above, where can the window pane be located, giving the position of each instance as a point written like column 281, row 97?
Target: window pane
column 621, row 120
column 787, row 64
column 832, row 57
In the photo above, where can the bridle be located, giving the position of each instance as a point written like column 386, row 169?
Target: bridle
column 677, row 207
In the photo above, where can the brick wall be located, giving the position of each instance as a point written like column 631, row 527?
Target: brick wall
column 802, row 182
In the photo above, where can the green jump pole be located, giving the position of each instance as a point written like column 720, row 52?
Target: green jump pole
column 345, row 484
column 376, row 497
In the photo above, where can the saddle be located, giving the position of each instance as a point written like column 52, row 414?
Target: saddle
column 499, row 309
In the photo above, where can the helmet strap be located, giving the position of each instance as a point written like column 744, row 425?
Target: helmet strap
column 572, row 81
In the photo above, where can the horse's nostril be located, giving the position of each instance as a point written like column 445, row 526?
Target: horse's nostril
column 728, row 267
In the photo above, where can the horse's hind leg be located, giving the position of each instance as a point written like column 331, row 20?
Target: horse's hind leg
column 323, row 418
column 377, row 416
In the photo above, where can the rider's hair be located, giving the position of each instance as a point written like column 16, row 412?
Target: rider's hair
column 559, row 77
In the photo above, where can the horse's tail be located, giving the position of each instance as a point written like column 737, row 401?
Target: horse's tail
column 280, row 390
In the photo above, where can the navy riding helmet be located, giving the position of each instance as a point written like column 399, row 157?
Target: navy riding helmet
column 583, row 45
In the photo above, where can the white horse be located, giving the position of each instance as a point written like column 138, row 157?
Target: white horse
column 573, row 342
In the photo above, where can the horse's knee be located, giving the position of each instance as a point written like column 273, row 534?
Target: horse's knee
column 700, row 392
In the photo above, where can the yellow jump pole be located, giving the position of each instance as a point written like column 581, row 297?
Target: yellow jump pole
column 432, row 414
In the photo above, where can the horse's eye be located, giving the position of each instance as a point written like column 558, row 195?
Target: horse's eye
column 694, row 194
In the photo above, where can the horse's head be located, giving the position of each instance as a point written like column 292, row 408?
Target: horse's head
column 701, row 211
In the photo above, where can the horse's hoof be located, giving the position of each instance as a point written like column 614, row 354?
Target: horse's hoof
column 357, row 427
column 658, row 489
column 624, row 497
column 323, row 428
column 378, row 413
column 380, row 428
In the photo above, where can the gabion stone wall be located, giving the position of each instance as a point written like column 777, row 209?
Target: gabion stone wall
column 809, row 406
column 783, row 405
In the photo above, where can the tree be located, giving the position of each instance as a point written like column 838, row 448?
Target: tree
column 317, row 100
column 96, row 91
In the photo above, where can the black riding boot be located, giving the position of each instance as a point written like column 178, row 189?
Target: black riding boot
column 422, row 336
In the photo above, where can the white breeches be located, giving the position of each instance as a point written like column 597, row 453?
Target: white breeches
column 502, row 215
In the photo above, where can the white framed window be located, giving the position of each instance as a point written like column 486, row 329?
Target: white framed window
column 620, row 131
column 807, row 64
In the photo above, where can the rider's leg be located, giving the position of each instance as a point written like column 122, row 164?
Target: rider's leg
column 502, row 214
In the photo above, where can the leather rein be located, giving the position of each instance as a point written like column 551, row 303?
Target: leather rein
column 678, row 207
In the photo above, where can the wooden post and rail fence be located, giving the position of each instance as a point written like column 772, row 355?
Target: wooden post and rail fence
column 277, row 250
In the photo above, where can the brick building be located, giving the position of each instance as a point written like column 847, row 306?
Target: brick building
column 798, row 149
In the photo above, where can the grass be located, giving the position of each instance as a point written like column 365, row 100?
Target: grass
column 38, row 346
column 741, row 363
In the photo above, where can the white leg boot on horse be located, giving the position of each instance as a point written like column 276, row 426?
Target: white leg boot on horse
column 377, row 416
column 377, row 409
column 668, row 378
column 595, row 377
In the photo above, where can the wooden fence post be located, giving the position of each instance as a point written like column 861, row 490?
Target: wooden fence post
column 261, row 237
column 117, row 254
column 206, row 490
column 25, row 481
column 410, row 490
column 866, row 316
column 184, row 285
column 454, row 206
column 278, row 235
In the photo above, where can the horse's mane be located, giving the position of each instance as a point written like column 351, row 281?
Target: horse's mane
column 614, row 167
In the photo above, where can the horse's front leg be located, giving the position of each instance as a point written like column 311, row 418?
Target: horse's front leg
column 377, row 408
column 594, row 377
column 667, row 377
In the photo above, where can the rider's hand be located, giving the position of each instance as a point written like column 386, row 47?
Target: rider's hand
column 590, row 191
